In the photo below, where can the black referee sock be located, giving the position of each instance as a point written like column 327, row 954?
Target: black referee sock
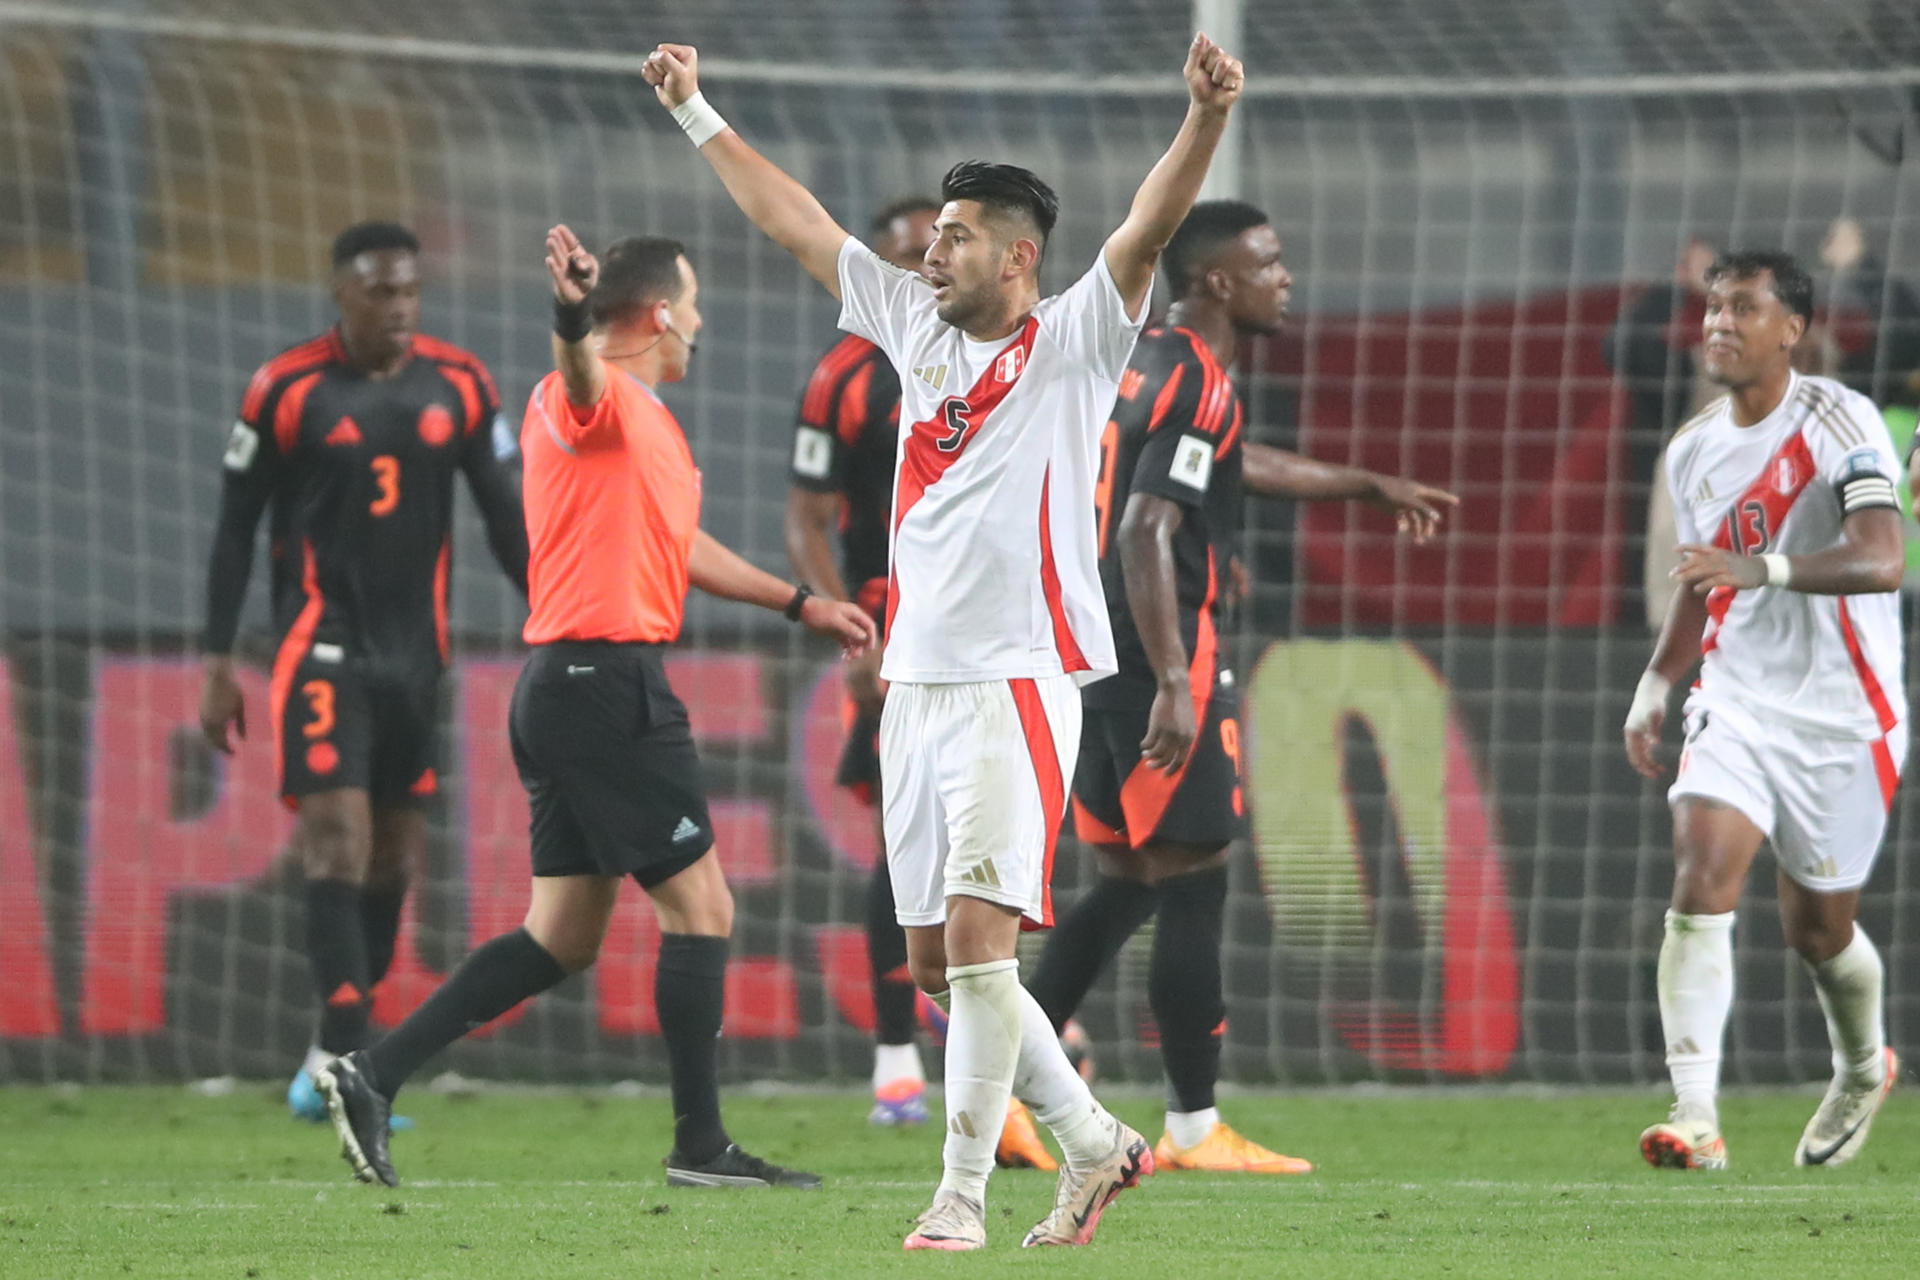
column 887, row 951
column 1085, row 942
column 689, row 994
column 380, row 920
column 495, row 977
column 1183, row 984
column 337, row 950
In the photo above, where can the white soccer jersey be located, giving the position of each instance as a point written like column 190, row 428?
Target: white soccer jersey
column 1827, row 664
column 992, row 566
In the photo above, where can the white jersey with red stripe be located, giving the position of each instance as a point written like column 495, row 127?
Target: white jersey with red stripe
column 1830, row 665
column 993, row 573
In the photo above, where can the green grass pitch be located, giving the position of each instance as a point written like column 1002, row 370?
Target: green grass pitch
column 161, row 1182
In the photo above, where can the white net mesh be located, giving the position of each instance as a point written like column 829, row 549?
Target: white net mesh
column 1453, row 873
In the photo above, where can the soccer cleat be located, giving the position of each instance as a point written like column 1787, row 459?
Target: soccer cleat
column 304, row 1101
column 1020, row 1146
column 954, row 1224
column 1839, row 1128
column 1685, row 1141
column 362, row 1117
column 735, row 1168
column 1082, row 1195
column 1224, row 1151
column 900, row 1102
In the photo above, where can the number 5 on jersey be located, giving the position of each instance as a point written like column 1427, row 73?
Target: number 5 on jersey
column 386, row 474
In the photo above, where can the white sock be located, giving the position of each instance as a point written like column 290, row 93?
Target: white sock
column 1190, row 1128
column 316, row 1059
column 896, row 1062
column 1696, row 993
column 1849, row 989
column 983, row 1043
column 1060, row 1099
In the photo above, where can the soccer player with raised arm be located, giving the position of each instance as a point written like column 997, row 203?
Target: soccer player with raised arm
column 1787, row 596
column 845, row 438
column 994, row 611
column 600, row 739
column 354, row 438
column 1158, row 790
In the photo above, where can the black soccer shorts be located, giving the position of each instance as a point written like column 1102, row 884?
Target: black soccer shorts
column 1118, row 799
column 341, row 722
column 606, row 754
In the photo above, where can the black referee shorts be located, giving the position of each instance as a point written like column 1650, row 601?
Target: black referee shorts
column 606, row 755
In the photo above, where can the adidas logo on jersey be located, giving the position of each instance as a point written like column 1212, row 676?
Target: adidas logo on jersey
column 1705, row 493
column 345, row 432
column 687, row 830
column 934, row 375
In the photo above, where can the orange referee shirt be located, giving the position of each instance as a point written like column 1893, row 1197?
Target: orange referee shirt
column 612, row 506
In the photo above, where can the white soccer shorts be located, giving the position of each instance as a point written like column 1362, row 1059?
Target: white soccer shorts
column 1822, row 801
column 973, row 784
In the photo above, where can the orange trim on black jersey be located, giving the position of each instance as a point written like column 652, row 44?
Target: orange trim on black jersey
column 445, row 354
column 816, row 404
column 1163, row 403
column 311, row 354
column 286, row 414
column 293, row 650
column 853, row 405
column 463, row 382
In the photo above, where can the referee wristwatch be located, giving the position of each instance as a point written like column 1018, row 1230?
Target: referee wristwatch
column 801, row 594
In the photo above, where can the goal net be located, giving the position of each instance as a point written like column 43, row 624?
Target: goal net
column 1488, row 205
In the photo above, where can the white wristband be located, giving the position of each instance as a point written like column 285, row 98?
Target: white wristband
column 1649, row 696
column 701, row 122
column 1779, row 569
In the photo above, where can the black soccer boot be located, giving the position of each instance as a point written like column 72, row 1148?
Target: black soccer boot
column 361, row 1115
column 735, row 1168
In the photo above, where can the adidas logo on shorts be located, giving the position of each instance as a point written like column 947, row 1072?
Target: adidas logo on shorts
column 687, row 830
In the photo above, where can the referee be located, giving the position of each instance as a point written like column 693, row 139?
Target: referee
column 601, row 741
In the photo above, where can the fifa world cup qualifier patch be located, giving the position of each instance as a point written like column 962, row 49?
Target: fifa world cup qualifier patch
column 1193, row 462
column 242, row 444
column 812, row 453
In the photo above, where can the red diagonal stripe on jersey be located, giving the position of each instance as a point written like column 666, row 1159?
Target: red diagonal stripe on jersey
column 923, row 462
column 1147, row 792
column 1053, row 786
column 1163, row 403
column 1884, row 764
column 852, row 418
column 1071, row 659
column 1774, row 501
column 816, row 403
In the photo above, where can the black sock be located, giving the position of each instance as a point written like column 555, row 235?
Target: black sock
column 1083, row 943
column 495, row 977
column 887, row 951
column 337, row 950
column 380, row 918
column 1183, row 984
column 689, row 992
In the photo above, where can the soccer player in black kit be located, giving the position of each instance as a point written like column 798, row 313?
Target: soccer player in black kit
column 1157, row 791
column 354, row 439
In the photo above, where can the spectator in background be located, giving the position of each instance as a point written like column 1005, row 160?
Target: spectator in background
column 1885, row 364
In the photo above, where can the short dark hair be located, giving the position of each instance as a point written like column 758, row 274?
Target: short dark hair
column 1209, row 225
column 1004, row 188
column 634, row 273
column 1791, row 284
column 901, row 207
column 372, row 237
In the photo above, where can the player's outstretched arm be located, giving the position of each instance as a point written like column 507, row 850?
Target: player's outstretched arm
column 1147, row 527
column 772, row 200
column 1278, row 473
column 1214, row 80
column 719, row 572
